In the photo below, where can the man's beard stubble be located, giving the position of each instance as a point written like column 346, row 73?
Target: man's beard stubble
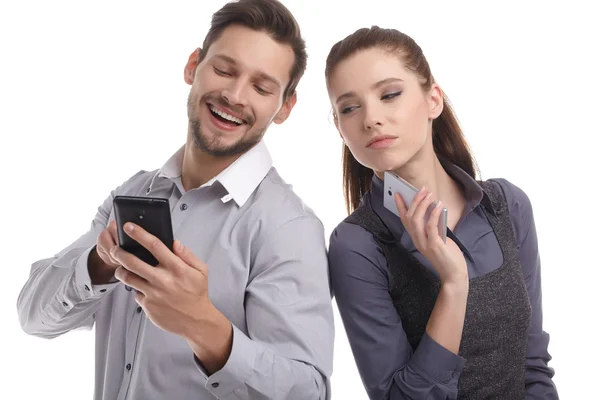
column 211, row 145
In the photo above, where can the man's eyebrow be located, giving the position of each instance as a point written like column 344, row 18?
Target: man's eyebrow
column 266, row 77
column 261, row 75
column 375, row 86
column 227, row 59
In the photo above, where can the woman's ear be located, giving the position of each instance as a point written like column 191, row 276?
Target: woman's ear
column 336, row 122
column 436, row 101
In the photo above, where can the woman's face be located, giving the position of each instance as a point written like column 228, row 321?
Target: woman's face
column 382, row 112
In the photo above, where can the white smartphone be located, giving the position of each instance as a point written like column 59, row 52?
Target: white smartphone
column 394, row 184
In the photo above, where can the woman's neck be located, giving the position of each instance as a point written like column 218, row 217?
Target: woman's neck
column 425, row 170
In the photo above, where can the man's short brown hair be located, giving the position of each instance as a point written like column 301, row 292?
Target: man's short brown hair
column 270, row 17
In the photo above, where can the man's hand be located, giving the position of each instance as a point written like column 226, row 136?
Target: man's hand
column 174, row 295
column 101, row 265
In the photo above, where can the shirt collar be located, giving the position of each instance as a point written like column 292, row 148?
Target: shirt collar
column 240, row 179
column 474, row 193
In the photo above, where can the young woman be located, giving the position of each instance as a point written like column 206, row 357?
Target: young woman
column 428, row 319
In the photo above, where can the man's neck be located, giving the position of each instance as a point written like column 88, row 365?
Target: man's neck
column 199, row 167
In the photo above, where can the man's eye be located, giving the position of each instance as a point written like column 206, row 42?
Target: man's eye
column 221, row 72
column 262, row 91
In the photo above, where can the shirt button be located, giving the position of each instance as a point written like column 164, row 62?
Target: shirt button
column 183, row 207
column 128, row 367
column 215, row 385
column 139, row 310
column 65, row 304
column 87, row 288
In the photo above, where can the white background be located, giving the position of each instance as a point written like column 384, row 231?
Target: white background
column 92, row 92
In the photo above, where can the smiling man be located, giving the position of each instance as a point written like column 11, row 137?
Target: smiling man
column 241, row 308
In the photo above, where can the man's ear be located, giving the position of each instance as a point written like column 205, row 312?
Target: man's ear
column 286, row 109
column 190, row 68
column 436, row 101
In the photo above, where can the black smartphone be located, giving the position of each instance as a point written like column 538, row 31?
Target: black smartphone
column 151, row 213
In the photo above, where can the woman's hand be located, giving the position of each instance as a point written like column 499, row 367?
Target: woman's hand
column 447, row 259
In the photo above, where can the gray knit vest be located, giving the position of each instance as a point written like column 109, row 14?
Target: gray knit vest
column 494, row 339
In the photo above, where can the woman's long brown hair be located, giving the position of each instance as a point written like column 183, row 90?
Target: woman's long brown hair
column 448, row 140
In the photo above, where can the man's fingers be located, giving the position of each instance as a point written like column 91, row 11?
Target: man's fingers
column 105, row 243
column 188, row 257
column 139, row 298
column 176, row 261
column 114, row 236
column 135, row 265
column 112, row 229
column 165, row 257
column 132, row 280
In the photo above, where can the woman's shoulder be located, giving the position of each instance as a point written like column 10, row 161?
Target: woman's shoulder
column 351, row 236
column 519, row 208
column 516, row 198
column 352, row 247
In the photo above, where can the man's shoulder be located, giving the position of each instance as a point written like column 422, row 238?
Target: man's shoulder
column 275, row 202
column 136, row 184
column 275, row 215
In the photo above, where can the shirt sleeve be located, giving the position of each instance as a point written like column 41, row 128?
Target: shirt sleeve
column 59, row 295
column 287, row 352
column 386, row 362
column 538, row 375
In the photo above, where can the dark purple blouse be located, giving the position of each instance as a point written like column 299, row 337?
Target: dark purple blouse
column 360, row 279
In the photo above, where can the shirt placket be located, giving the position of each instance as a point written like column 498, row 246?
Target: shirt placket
column 181, row 209
column 131, row 349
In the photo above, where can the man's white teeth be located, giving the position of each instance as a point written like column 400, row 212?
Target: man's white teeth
column 226, row 116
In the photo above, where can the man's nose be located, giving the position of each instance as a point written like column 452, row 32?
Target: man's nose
column 234, row 94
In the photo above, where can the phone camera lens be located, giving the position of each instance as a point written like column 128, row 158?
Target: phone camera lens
column 390, row 192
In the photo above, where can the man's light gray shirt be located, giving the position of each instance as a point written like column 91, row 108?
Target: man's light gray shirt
column 267, row 274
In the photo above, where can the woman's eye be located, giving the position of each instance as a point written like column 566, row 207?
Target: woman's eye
column 390, row 95
column 347, row 110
